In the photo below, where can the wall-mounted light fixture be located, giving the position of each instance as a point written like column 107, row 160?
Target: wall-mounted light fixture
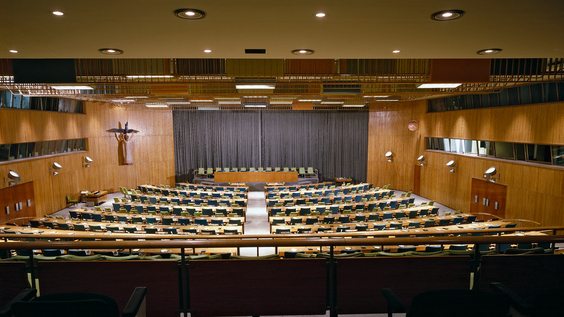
column 490, row 174
column 452, row 166
column 86, row 162
column 12, row 179
column 53, row 169
column 390, row 156
column 422, row 160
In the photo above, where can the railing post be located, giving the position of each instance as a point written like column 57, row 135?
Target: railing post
column 32, row 267
column 332, row 283
column 184, row 283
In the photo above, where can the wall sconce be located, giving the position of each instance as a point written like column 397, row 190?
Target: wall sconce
column 452, row 165
column 12, row 179
column 86, row 162
column 390, row 156
column 53, row 169
column 422, row 160
column 490, row 173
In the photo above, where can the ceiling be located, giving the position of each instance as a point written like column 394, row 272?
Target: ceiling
column 354, row 29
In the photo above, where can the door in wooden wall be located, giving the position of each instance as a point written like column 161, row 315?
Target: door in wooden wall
column 417, row 180
column 17, row 201
column 488, row 197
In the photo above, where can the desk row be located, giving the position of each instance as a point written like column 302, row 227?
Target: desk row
column 313, row 197
column 240, row 202
column 179, row 210
column 348, row 208
column 374, row 217
column 233, row 187
column 413, row 227
column 293, row 190
column 101, row 230
column 227, row 191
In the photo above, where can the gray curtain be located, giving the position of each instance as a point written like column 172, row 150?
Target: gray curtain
column 335, row 143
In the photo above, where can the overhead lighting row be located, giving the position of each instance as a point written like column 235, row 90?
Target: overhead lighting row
column 195, row 14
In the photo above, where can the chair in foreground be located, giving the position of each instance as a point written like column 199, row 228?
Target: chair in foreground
column 73, row 304
column 546, row 302
column 451, row 303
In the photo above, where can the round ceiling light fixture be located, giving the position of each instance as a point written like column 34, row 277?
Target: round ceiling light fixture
column 13, row 51
column 489, row 51
column 447, row 15
column 302, row 51
column 111, row 51
column 58, row 13
column 396, row 51
column 320, row 15
column 190, row 14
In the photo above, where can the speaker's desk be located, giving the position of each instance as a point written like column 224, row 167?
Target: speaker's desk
column 255, row 177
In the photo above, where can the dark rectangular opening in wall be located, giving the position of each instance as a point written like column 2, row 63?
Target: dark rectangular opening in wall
column 255, row 51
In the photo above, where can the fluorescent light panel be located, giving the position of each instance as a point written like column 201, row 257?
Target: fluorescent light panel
column 255, row 106
column 375, row 96
column 332, row 102
column 257, row 86
column 149, row 76
column 387, row 100
column 439, row 85
column 178, row 102
column 309, row 100
column 353, row 106
column 72, row 87
column 281, row 102
column 156, row 105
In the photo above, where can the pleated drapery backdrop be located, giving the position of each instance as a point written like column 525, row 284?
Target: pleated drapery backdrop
column 334, row 142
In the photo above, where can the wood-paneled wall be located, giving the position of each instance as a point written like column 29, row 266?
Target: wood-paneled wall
column 534, row 192
column 153, row 150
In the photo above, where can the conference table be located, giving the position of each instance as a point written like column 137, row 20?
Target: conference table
column 97, row 197
column 255, row 177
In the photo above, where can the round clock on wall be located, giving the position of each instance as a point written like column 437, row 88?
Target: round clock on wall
column 413, row 125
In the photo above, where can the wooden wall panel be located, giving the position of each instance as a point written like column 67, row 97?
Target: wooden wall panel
column 534, row 192
column 153, row 150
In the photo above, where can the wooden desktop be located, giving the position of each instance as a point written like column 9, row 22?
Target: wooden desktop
column 257, row 177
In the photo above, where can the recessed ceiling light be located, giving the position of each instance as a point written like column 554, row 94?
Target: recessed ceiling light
column 395, row 51
column 202, row 100
column 375, row 96
column 489, row 51
column 438, row 85
column 13, row 51
column 122, row 100
column 207, row 51
column 190, row 14
column 387, row 100
column 353, row 106
column 257, row 105
column 156, row 105
column 302, row 51
column 447, row 15
column 57, row 13
column 309, row 100
column 111, row 51
column 320, row 15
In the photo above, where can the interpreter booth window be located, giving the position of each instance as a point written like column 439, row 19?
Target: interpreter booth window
column 539, row 153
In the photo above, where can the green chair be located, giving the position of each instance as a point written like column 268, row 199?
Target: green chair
column 201, row 171
column 260, row 169
column 71, row 201
column 277, row 169
column 302, row 171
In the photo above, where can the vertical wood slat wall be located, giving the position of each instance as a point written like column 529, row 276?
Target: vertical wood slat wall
column 153, row 151
column 534, row 192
